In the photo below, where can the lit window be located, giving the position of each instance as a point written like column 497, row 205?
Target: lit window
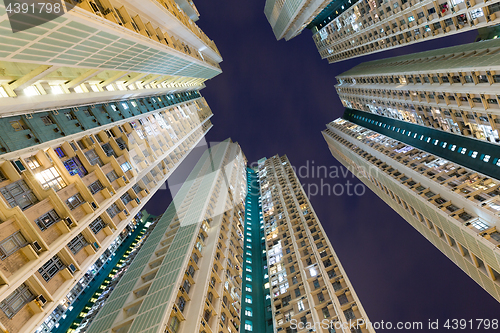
column 479, row 225
column 3, row 93
column 248, row 312
column 79, row 89
column 32, row 91
column 248, row 299
column 56, row 90
column 486, row 158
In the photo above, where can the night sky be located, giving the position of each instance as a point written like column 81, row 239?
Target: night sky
column 275, row 97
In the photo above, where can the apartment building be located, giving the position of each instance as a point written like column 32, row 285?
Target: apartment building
column 187, row 277
column 99, row 106
column 445, row 185
column 355, row 28
column 289, row 17
column 307, row 282
column 455, row 89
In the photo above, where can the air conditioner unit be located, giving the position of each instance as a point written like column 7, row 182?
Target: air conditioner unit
column 95, row 245
column 94, row 206
column 124, row 179
column 36, row 246
column 146, row 190
column 138, row 200
column 125, row 212
column 41, row 299
column 68, row 221
column 72, row 268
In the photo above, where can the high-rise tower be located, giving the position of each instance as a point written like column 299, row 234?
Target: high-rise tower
column 240, row 249
column 445, row 185
column 289, row 17
column 350, row 29
column 455, row 89
column 99, row 106
column 309, row 289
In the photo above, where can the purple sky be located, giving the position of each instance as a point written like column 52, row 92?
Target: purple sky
column 275, row 98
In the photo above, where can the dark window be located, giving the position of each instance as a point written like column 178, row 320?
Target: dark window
column 75, row 201
column 93, row 158
column 11, row 244
column 97, row 225
column 108, row 150
column 51, row 268
column 112, row 176
column 96, row 187
column 113, row 210
column 19, row 194
column 77, row 243
column 13, row 303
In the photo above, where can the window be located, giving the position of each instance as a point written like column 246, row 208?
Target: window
column 325, row 311
column 112, row 176
column 187, row 286
column 75, row 201
column 47, row 219
column 17, row 125
column 19, row 194
column 108, row 150
column 97, row 225
column 46, row 120
column 13, row 303
column 126, row 166
column 75, row 167
column 479, row 225
column 321, row 297
column 349, row 314
column 248, row 312
column 11, row 244
column 50, row 178
column 113, row 210
column 137, row 188
column 248, row 299
column 248, row 326
column 297, row 292
column 181, row 303
column 174, row 324
column 126, row 198
column 77, row 243
column 121, row 143
column 51, row 268
column 96, row 187
column 300, row 305
column 316, row 284
column 93, row 158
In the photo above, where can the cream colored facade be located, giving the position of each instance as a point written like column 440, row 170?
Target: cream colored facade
column 455, row 208
column 74, row 218
column 99, row 107
column 289, row 17
column 455, row 89
column 308, row 283
column 377, row 25
column 187, row 276
column 100, row 51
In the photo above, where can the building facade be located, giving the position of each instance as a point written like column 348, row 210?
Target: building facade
column 99, row 106
column 188, row 275
column 289, row 17
column 234, row 253
column 309, row 289
column 455, row 89
column 445, row 185
column 355, row 28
